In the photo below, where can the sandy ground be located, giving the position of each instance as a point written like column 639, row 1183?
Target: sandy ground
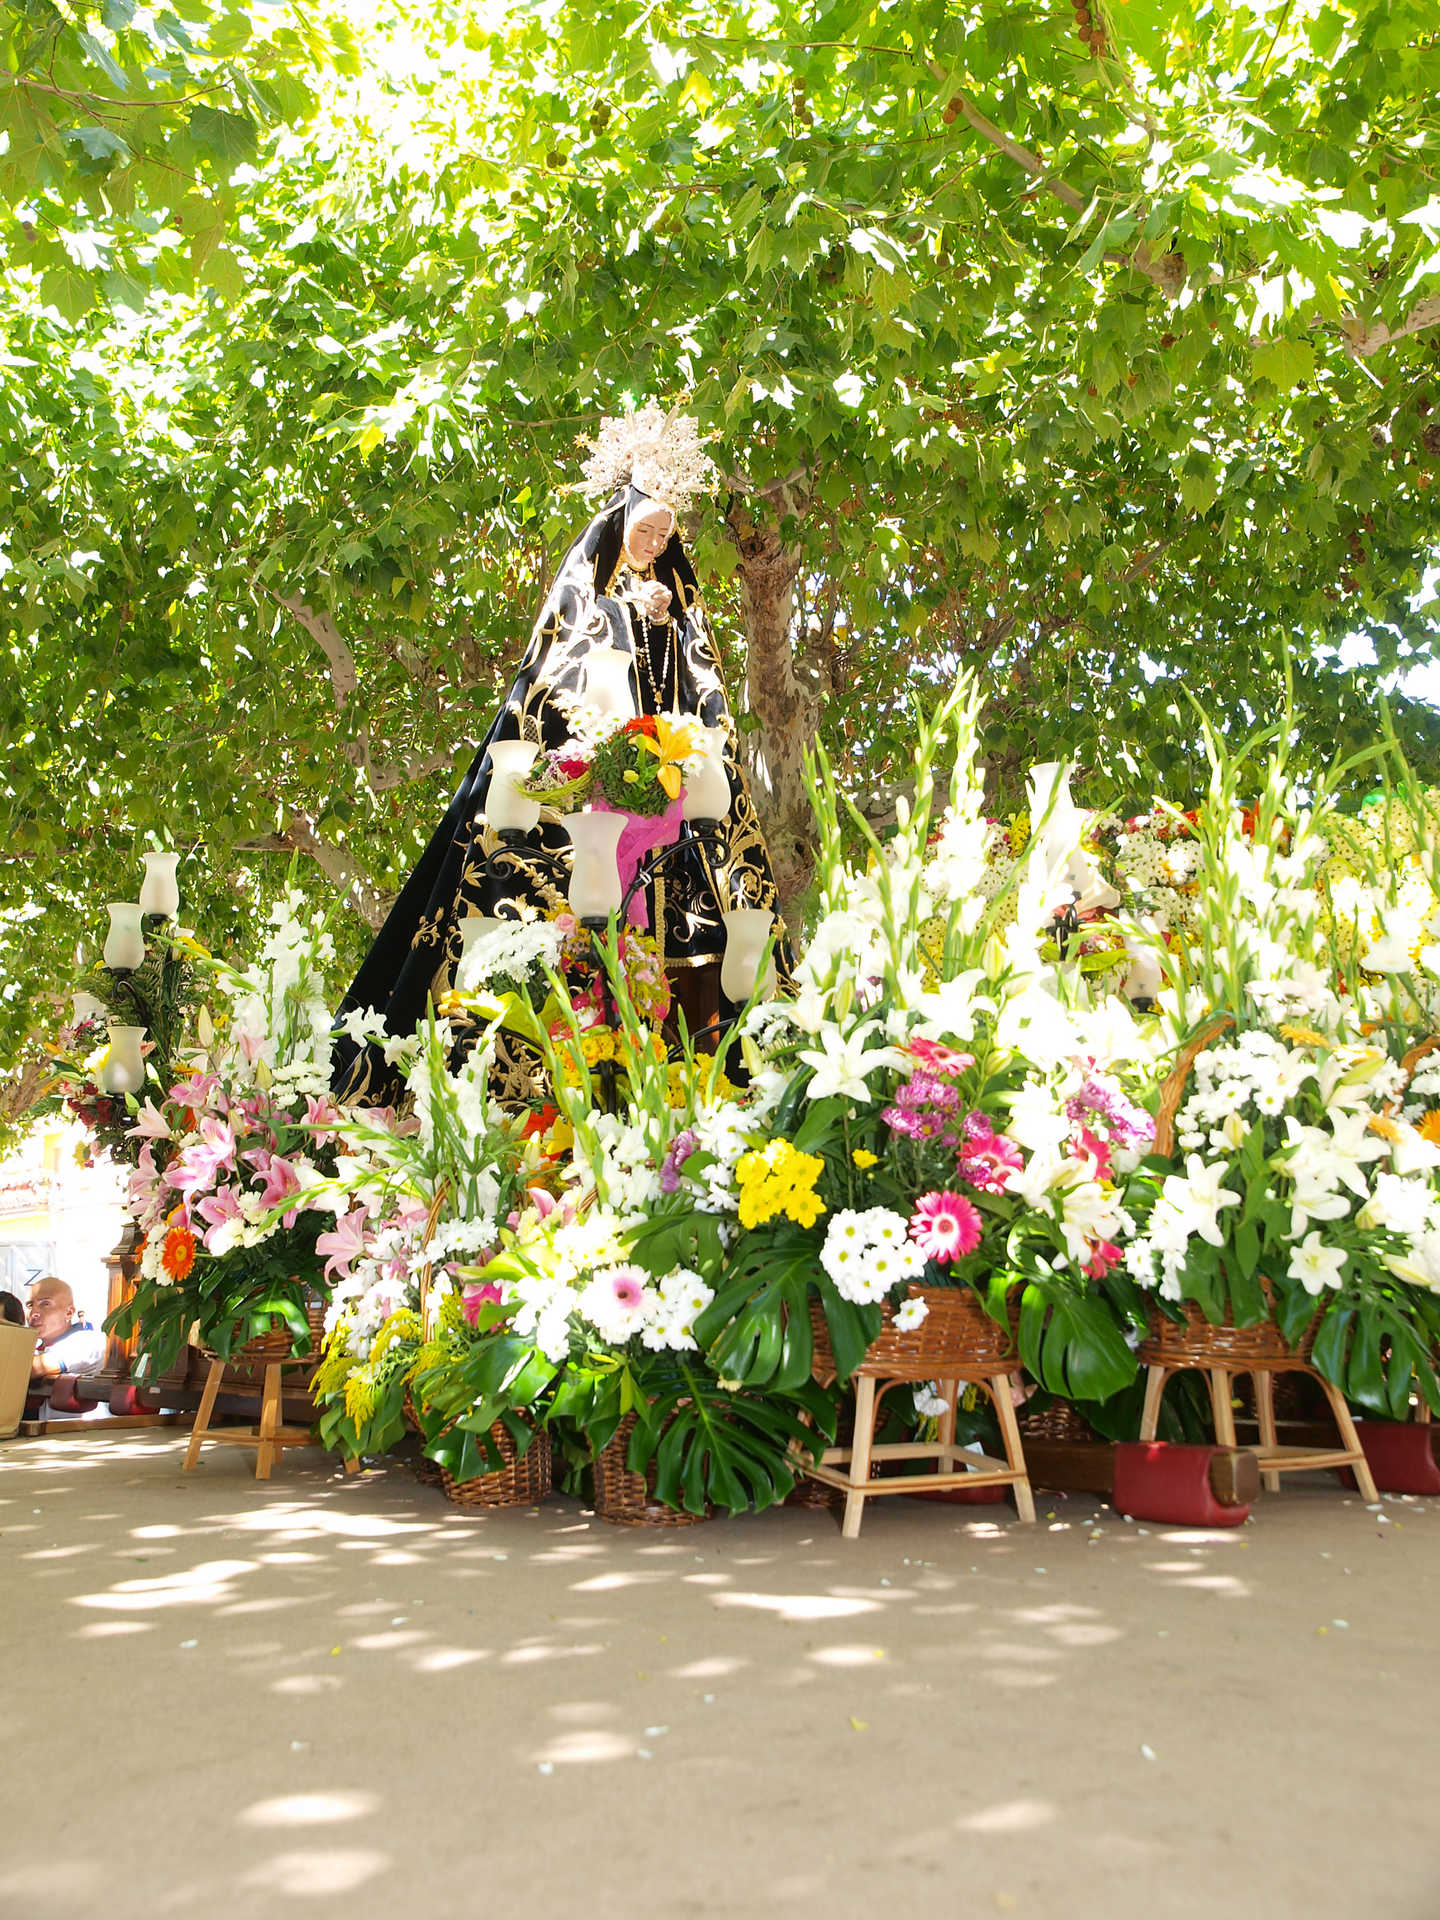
column 322, row 1696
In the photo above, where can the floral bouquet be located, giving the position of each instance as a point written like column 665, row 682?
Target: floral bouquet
column 964, row 1122
column 428, row 1194
column 1298, row 1184
column 637, row 765
column 233, row 1177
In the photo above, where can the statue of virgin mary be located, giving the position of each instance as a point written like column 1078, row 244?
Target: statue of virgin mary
column 625, row 587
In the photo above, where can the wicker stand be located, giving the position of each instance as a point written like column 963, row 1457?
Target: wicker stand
column 627, row 1499
column 274, row 1351
column 957, row 1344
column 1223, row 1352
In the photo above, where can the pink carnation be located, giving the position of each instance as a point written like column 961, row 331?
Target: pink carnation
column 945, row 1226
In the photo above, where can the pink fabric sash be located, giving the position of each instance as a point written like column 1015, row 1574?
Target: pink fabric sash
column 644, row 834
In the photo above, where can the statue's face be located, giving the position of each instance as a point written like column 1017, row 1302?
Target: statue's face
column 649, row 533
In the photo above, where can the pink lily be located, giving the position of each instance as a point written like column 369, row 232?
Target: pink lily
column 282, row 1182
column 150, row 1124
column 200, row 1090
column 323, row 1116
column 475, row 1297
column 140, row 1193
column 218, row 1210
column 199, row 1165
column 344, row 1245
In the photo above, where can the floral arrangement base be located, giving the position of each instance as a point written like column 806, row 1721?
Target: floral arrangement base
column 278, row 1346
column 1198, row 1343
column 269, row 1438
column 1059, row 1424
column 627, row 1499
column 955, row 1344
column 520, row 1482
column 955, row 1329
column 1223, row 1351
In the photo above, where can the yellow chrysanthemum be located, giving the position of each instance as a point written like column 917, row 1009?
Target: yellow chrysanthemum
column 779, row 1179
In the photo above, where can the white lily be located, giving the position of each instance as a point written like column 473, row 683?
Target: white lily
column 1315, row 1265
column 843, row 1064
column 1197, row 1198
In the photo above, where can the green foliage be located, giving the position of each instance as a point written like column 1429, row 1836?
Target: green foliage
column 713, row 1445
column 1112, row 415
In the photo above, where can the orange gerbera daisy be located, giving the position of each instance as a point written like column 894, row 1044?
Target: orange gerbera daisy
column 177, row 1256
column 1430, row 1127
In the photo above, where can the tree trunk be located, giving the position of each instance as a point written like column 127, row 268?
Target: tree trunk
column 789, row 716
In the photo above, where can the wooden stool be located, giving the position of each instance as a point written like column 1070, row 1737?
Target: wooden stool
column 269, row 1438
column 957, row 1344
column 1223, row 1352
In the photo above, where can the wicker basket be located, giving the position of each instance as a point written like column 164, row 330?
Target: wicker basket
column 625, row 1498
column 1258, row 1349
column 957, row 1331
column 520, row 1482
column 278, row 1344
column 1059, row 1424
column 815, row 1495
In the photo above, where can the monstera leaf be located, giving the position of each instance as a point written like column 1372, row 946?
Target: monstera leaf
column 716, row 1447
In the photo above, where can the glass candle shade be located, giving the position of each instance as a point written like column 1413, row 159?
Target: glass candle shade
column 125, row 943
column 473, row 929
column 608, row 686
column 707, row 793
column 506, row 807
column 124, row 1068
column 595, row 890
column 746, row 931
column 158, row 891
column 1054, row 817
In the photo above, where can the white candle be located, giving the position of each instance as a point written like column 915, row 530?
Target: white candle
column 125, row 943
column 595, row 873
column 124, row 1068
column 505, row 806
column 159, row 892
column 746, row 931
column 608, row 684
column 707, row 793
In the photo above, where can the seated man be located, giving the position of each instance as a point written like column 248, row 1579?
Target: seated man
column 67, row 1344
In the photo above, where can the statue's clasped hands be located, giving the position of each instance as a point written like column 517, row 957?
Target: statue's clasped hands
column 653, row 599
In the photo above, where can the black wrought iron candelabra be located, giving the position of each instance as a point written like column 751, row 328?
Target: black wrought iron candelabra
column 515, row 852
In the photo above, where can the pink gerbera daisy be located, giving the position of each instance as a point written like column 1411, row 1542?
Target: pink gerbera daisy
column 991, row 1163
column 945, row 1226
column 627, row 1284
column 937, row 1057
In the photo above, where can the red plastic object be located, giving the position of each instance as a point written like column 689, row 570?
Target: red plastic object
column 125, row 1398
column 1401, row 1455
column 1157, row 1481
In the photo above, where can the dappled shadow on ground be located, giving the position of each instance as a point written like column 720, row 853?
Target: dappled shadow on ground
column 342, row 1683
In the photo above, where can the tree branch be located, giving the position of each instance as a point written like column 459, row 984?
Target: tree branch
column 399, row 773
column 323, row 631
column 1362, row 340
column 349, row 879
